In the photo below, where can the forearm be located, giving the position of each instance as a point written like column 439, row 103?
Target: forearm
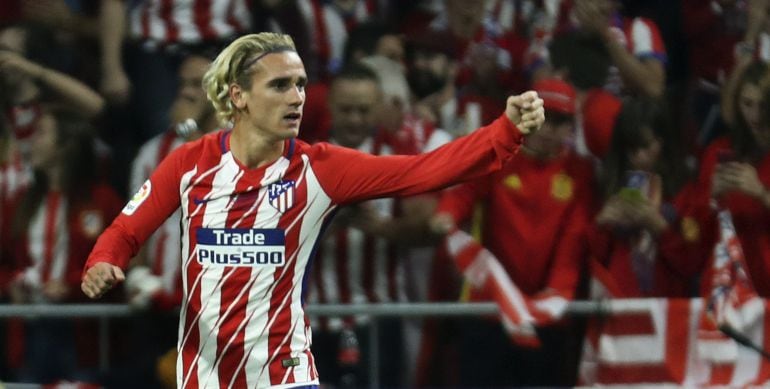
column 115, row 246
column 729, row 91
column 71, row 91
column 365, row 176
column 112, row 16
column 646, row 77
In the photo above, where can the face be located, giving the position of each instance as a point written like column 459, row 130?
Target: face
column 750, row 105
column 604, row 7
column 428, row 73
column 353, row 105
column 391, row 47
column 553, row 136
column 644, row 158
column 190, row 102
column 465, row 16
column 272, row 105
column 43, row 149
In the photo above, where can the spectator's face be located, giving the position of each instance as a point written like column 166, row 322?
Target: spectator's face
column 353, row 105
column 646, row 157
column 190, row 102
column 391, row 47
column 605, row 7
column 750, row 105
column 273, row 103
column 43, row 148
column 553, row 136
column 429, row 73
column 465, row 16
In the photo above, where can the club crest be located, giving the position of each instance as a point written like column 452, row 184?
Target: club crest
column 280, row 195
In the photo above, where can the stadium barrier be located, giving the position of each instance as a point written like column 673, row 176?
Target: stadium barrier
column 103, row 312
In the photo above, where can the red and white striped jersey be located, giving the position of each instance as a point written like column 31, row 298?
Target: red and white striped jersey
column 248, row 236
column 59, row 237
column 164, row 247
column 15, row 176
column 188, row 21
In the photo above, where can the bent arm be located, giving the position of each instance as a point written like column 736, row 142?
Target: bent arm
column 147, row 210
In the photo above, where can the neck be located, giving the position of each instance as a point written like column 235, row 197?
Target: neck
column 252, row 148
column 54, row 175
column 538, row 154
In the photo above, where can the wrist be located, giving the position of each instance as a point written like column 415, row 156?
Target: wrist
column 764, row 197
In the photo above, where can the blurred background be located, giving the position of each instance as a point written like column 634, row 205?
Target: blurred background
column 615, row 245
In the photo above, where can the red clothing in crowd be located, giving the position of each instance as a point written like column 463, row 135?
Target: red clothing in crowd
column 709, row 30
column 59, row 239
column 535, row 213
column 751, row 218
column 682, row 251
column 167, row 22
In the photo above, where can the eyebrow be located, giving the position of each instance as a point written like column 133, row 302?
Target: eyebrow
column 280, row 80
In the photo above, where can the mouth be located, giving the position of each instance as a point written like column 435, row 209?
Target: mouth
column 292, row 118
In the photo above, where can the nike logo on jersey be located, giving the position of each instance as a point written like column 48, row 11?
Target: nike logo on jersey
column 240, row 247
column 199, row 201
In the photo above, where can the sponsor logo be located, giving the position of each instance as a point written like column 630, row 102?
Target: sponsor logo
column 241, row 247
column 280, row 195
column 142, row 194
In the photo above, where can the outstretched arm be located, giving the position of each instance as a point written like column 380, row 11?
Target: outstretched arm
column 349, row 176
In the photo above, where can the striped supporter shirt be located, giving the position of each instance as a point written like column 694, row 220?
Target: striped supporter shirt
column 248, row 236
column 168, row 22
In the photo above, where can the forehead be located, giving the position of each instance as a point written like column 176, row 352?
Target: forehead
column 194, row 64
column 280, row 65
column 354, row 88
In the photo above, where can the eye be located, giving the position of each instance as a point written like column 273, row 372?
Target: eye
column 281, row 85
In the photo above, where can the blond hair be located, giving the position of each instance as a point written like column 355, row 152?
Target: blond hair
column 234, row 65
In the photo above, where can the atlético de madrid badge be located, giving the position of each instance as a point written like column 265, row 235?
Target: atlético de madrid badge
column 281, row 195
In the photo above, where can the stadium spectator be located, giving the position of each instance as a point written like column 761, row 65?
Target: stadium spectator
column 734, row 171
column 55, row 223
column 634, row 45
column 407, row 226
column 351, row 265
column 142, row 44
column 648, row 231
column 366, row 39
column 541, row 199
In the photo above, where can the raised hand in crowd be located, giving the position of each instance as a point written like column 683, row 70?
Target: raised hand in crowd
column 630, row 213
column 18, row 72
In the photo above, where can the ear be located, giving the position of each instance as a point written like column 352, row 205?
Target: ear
column 237, row 96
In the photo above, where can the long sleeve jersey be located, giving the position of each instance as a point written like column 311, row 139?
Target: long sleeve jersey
column 248, row 236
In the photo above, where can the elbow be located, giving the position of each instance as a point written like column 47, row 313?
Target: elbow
column 93, row 108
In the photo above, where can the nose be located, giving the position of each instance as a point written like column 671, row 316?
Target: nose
column 297, row 96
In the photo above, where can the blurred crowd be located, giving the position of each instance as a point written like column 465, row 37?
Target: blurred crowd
column 655, row 112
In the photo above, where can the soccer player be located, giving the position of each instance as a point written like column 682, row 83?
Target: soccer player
column 254, row 202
